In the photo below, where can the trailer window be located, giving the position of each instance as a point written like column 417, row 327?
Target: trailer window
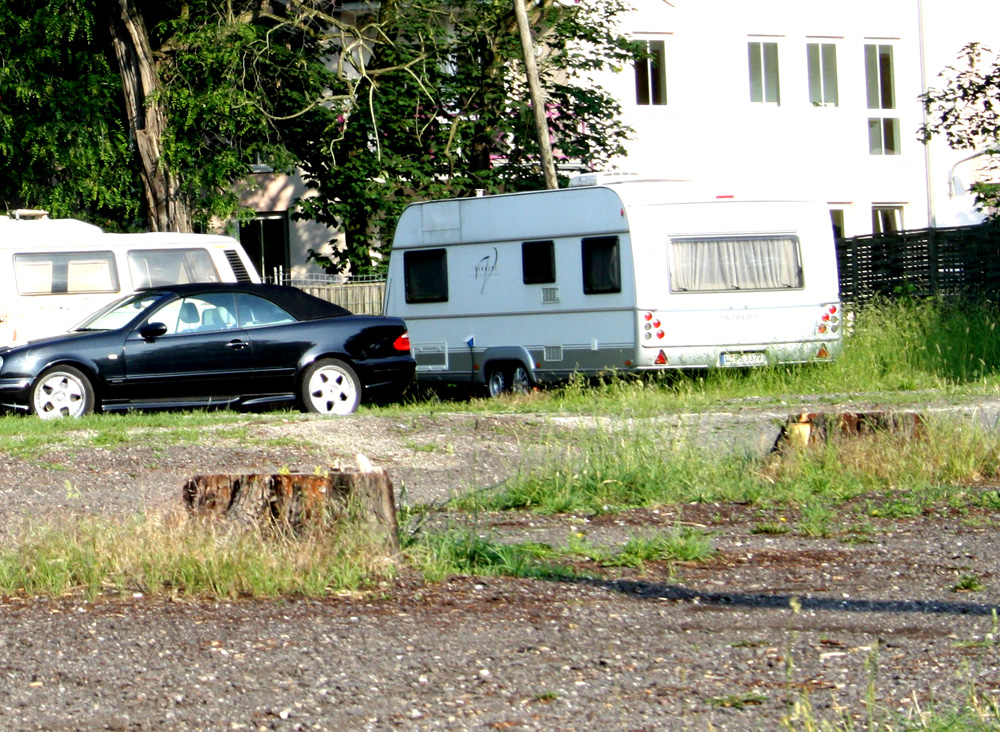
column 735, row 263
column 65, row 273
column 538, row 262
column 601, row 265
column 425, row 273
column 160, row 267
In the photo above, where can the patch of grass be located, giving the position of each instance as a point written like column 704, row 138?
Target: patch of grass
column 623, row 465
column 28, row 437
column 177, row 555
column 774, row 528
column 738, row 701
column 683, row 544
column 968, row 582
column 462, row 551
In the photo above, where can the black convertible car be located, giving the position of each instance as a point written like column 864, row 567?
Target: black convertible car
column 211, row 344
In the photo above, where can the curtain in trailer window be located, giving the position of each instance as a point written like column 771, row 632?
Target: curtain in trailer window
column 734, row 263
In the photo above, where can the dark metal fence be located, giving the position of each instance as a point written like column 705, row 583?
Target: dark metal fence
column 963, row 260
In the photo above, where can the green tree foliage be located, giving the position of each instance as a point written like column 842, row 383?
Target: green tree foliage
column 441, row 108
column 966, row 112
column 63, row 146
column 407, row 100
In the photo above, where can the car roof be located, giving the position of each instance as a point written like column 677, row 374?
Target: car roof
column 301, row 305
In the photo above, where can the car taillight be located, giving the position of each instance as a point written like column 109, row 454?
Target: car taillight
column 402, row 343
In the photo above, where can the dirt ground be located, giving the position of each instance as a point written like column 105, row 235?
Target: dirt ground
column 777, row 628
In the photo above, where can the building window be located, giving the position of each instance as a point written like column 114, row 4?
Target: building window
column 651, row 75
column 601, row 265
column 887, row 219
column 538, row 262
column 425, row 275
column 837, row 220
column 822, row 63
column 878, row 75
column 764, row 88
column 883, row 131
column 883, row 135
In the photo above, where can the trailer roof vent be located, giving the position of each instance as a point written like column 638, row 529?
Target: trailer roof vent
column 601, row 178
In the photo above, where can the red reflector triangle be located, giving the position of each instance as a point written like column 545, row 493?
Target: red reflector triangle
column 661, row 359
column 822, row 352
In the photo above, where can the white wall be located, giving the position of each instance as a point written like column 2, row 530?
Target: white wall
column 710, row 130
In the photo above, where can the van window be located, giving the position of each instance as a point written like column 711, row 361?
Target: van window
column 538, row 262
column 702, row 264
column 425, row 273
column 65, row 272
column 160, row 267
column 601, row 265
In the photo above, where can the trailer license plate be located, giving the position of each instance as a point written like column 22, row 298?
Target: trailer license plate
column 739, row 360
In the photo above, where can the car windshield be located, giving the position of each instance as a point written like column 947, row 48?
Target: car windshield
column 121, row 313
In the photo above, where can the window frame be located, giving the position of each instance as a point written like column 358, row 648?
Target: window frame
column 59, row 273
column 765, row 72
column 651, row 74
column 425, row 294
column 541, row 251
column 718, row 243
column 821, row 70
column 879, row 212
column 596, row 281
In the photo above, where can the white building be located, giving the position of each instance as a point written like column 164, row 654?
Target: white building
column 820, row 99
column 817, row 98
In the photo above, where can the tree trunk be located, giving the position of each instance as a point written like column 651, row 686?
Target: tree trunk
column 166, row 207
column 299, row 500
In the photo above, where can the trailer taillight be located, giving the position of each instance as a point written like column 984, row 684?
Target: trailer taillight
column 402, row 343
column 829, row 320
column 649, row 323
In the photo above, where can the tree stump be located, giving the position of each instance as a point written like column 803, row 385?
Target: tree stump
column 300, row 500
column 809, row 428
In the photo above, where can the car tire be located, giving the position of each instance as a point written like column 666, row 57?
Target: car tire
column 62, row 391
column 332, row 387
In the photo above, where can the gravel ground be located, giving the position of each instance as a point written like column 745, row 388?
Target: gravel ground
column 733, row 644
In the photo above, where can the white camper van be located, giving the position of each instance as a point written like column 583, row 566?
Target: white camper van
column 528, row 288
column 55, row 272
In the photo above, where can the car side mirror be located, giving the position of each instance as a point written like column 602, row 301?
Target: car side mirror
column 153, row 330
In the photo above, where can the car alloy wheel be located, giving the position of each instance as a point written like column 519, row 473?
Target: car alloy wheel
column 330, row 386
column 62, row 391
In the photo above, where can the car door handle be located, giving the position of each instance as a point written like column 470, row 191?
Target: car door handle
column 236, row 344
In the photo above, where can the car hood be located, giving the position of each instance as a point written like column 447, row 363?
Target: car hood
column 77, row 338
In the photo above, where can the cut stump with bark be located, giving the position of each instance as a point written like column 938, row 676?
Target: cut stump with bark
column 300, row 500
column 809, row 428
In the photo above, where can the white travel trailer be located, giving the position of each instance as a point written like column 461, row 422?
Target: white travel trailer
column 55, row 272
column 528, row 288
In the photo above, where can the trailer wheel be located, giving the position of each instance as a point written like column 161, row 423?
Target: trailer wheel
column 520, row 381
column 506, row 378
column 497, row 381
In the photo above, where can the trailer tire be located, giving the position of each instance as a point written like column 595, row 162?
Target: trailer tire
column 507, row 378
column 497, row 381
column 520, row 380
